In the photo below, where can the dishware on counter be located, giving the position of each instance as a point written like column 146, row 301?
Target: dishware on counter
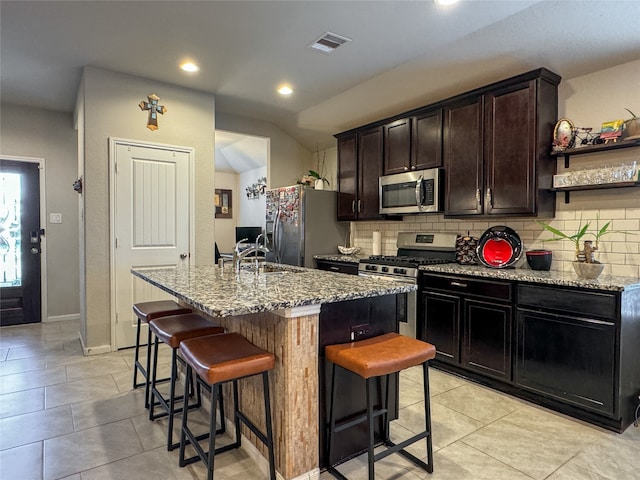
column 499, row 247
column 539, row 259
column 466, row 250
column 348, row 250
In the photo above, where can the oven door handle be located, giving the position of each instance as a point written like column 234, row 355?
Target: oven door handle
column 408, row 281
column 419, row 193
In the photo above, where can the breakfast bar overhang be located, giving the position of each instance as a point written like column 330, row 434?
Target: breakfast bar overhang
column 276, row 308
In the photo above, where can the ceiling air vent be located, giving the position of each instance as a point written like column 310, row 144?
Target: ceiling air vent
column 328, row 42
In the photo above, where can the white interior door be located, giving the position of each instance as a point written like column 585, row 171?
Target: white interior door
column 151, row 224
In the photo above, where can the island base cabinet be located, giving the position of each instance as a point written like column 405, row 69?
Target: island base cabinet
column 572, row 359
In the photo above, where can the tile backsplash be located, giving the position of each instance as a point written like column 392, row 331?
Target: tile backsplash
column 620, row 252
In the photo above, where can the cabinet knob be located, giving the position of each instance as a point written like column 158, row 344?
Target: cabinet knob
column 406, row 169
column 413, row 167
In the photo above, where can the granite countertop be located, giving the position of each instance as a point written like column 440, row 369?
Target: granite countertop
column 336, row 257
column 226, row 293
column 567, row 279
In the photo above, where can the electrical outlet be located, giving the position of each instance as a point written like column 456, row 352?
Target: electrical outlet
column 359, row 331
column 55, row 218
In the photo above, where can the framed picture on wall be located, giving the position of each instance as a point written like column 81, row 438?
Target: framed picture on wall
column 222, row 199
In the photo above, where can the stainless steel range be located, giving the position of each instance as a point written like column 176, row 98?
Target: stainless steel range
column 414, row 249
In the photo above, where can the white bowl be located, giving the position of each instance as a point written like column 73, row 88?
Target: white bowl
column 348, row 250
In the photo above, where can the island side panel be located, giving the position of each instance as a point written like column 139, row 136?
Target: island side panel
column 293, row 385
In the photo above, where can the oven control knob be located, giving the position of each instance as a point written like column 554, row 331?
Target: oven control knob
column 370, row 267
column 385, row 269
column 401, row 271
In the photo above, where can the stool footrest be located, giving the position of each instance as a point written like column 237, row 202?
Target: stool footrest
column 412, row 458
column 396, row 447
column 359, row 419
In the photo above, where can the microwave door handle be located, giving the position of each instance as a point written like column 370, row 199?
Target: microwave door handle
column 419, row 193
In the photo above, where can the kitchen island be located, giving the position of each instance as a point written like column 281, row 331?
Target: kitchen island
column 276, row 309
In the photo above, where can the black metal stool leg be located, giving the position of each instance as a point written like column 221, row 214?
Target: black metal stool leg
column 136, row 361
column 185, row 412
column 215, row 393
column 154, row 369
column 427, row 416
column 147, row 387
column 267, row 412
column 370, row 427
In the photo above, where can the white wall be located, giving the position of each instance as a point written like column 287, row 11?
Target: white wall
column 252, row 210
column 287, row 157
column 588, row 101
column 225, row 228
column 34, row 132
column 110, row 108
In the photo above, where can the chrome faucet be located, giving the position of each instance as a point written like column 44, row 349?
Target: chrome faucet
column 239, row 256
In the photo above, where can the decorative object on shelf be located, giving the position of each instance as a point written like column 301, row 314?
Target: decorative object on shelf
column 539, row 259
column 318, row 173
column 77, row 185
column 257, row 189
column 632, row 126
column 499, row 247
column 564, row 135
column 223, row 203
column 348, row 250
column 154, row 109
column 609, row 174
column 611, row 131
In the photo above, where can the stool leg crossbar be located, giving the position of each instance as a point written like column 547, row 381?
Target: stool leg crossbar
column 370, row 416
column 187, row 437
column 144, row 370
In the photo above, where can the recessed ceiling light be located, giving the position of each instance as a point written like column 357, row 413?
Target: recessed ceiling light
column 285, row 90
column 189, row 67
column 445, row 2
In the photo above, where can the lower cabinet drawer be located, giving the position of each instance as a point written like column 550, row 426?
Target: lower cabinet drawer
column 487, row 289
column 575, row 302
column 338, row 267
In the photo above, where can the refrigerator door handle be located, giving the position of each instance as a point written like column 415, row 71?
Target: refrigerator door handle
column 276, row 231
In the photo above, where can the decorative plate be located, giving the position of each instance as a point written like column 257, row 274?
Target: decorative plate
column 564, row 134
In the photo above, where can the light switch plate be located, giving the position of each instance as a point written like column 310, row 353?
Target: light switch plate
column 55, row 218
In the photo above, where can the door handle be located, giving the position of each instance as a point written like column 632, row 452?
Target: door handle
column 184, row 255
column 35, row 251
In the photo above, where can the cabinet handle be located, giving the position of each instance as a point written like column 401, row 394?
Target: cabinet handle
column 489, row 197
column 478, row 196
column 406, row 169
column 359, row 206
column 458, row 284
column 413, row 167
column 353, row 206
column 334, row 268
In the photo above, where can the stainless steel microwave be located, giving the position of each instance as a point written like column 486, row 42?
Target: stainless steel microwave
column 411, row 192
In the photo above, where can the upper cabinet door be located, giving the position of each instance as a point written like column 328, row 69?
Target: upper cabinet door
column 462, row 155
column 370, row 165
column 397, row 147
column 510, row 150
column 426, row 140
column 347, row 176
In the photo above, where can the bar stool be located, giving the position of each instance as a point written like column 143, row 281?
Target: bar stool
column 147, row 312
column 172, row 330
column 371, row 359
column 219, row 359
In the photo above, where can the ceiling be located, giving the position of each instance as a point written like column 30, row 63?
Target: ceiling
column 403, row 54
column 237, row 153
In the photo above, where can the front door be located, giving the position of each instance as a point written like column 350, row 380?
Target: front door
column 19, row 242
column 151, row 223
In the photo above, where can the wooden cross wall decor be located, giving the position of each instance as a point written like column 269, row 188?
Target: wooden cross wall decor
column 154, row 109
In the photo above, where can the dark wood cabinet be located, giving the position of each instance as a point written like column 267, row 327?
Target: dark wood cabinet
column 469, row 322
column 462, row 156
column 496, row 148
column 413, row 143
column 349, row 268
column 359, row 168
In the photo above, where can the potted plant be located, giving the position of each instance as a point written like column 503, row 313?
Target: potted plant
column 585, row 265
column 632, row 126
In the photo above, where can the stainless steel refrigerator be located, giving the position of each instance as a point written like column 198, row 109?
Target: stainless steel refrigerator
column 301, row 222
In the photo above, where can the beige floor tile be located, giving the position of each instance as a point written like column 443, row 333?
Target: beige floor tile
column 22, row 463
column 447, row 425
column 3, row 354
column 477, row 402
column 10, row 367
column 21, row 402
column 94, row 388
column 410, row 392
column 90, row 448
column 153, row 465
column 124, row 381
column 34, row 379
column 35, row 426
column 441, row 382
column 60, row 359
column 34, row 350
column 96, row 367
column 99, row 412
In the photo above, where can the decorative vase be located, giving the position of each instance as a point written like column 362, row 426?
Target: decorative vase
column 589, row 271
column 319, row 184
column 633, row 128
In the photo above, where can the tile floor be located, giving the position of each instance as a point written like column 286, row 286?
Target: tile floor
column 66, row 416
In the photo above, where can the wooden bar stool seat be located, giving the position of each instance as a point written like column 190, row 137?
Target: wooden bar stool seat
column 218, row 359
column 147, row 312
column 371, row 359
column 172, row 330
